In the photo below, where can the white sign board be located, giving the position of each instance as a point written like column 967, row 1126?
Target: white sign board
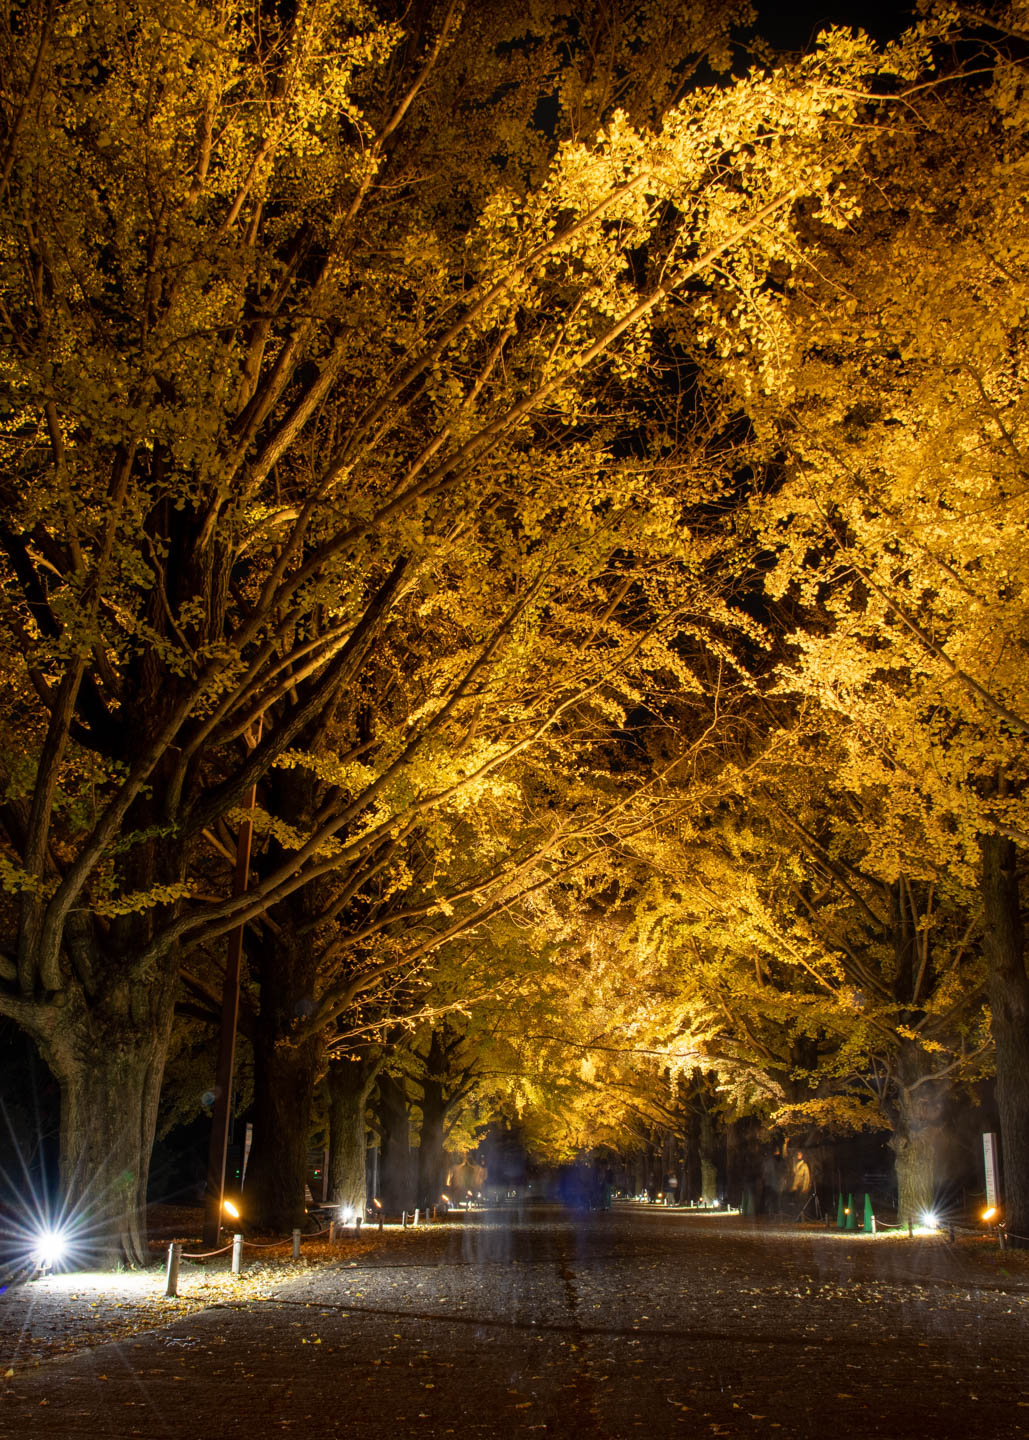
column 990, row 1158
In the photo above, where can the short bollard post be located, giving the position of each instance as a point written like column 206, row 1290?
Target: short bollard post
column 911, row 1230
column 237, row 1253
column 171, row 1284
column 403, row 1219
column 332, row 1232
column 875, row 1226
column 357, row 1224
column 1001, row 1237
column 417, row 1212
column 381, row 1222
column 296, row 1244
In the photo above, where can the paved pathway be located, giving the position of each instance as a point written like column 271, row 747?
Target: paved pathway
column 537, row 1323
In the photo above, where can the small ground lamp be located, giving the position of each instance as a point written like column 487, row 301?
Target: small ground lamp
column 49, row 1249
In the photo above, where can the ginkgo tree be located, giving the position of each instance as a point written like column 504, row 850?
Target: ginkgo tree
column 889, row 382
column 841, row 994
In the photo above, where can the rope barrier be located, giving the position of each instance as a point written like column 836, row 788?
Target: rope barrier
column 176, row 1254
column 274, row 1244
column 1003, row 1235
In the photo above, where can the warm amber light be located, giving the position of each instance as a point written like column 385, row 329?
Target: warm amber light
column 230, row 1209
column 990, row 1213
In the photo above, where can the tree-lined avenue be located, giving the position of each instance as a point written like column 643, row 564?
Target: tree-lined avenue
column 534, row 1321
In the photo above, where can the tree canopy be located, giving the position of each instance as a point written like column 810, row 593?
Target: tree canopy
column 481, row 432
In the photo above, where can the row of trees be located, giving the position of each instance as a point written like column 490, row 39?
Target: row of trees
column 578, row 500
column 852, row 916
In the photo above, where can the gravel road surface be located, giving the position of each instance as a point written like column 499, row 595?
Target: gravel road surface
column 537, row 1322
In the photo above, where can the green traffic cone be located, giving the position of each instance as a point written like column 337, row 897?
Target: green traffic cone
column 840, row 1214
column 868, row 1226
column 851, row 1217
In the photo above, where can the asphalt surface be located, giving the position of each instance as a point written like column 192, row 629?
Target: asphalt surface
column 535, row 1322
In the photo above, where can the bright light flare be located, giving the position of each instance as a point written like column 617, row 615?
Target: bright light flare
column 45, row 1232
column 51, row 1247
column 990, row 1213
column 47, row 1241
column 230, row 1209
column 930, row 1220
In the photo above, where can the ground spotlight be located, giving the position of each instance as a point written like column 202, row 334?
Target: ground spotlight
column 49, row 1249
column 930, row 1220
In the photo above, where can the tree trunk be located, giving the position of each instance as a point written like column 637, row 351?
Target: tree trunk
column 917, row 1123
column 349, row 1082
column 708, row 1159
column 396, row 1188
column 915, row 1164
column 432, row 1158
column 104, row 1034
column 109, row 1066
column 1009, row 1004
column 285, row 1076
column 692, row 1166
column 289, row 1054
column 736, row 1177
column 372, row 1186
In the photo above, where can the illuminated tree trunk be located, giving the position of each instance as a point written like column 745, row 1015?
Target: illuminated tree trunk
column 445, row 1077
column 1009, row 1004
column 349, row 1082
column 915, row 1163
column 109, row 1064
column 708, row 1159
column 106, row 1046
column 917, row 1119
